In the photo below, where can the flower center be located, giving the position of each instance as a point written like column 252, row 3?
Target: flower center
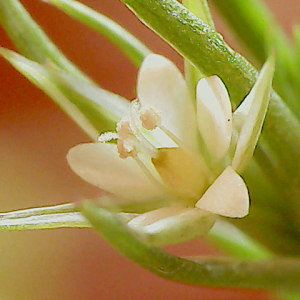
column 130, row 131
column 181, row 170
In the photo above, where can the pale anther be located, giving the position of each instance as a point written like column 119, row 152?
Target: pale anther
column 123, row 127
column 150, row 118
column 126, row 149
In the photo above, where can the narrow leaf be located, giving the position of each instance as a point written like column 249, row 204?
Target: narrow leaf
column 218, row 272
column 133, row 48
column 113, row 106
column 39, row 76
column 48, row 221
column 31, row 212
column 30, row 39
column 87, row 104
column 234, row 241
column 256, row 27
column 49, row 217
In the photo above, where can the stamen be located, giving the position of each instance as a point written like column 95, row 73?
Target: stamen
column 126, row 149
column 134, row 125
column 107, row 137
column 150, row 118
column 123, row 128
column 174, row 138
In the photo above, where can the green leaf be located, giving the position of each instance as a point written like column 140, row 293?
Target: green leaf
column 50, row 217
column 35, row 45
column 49, row 221
column 234, row 241
column 88, row 105
column 197, row 42
column 201, row 10
column 258, row 30
column 133, row 48
column 216, row 271
column 88, row 94
column 30, row 39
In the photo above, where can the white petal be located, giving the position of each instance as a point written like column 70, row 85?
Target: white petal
column 161, row 84
column 185, row 174
column 171, row 225
column 227, row 196
column 100, row 165
column 250, row 115
column 214, row 115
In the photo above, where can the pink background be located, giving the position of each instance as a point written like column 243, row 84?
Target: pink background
column 35, row 137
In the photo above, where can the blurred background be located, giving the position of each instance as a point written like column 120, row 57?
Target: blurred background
column 34, row 139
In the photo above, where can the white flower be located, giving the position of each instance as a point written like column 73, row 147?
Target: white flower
column 176, row 155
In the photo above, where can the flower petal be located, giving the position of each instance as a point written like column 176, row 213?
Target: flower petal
column 100, row 165
column 171, row 225
column 214, row 115
column 162, row 85
column 227, row 196
column 250, row 115
column 185, row 174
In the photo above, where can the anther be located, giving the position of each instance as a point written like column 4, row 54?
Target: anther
column 150, row 118
column 126, row 149
column 123, row 127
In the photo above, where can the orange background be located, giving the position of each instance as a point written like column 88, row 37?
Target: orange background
column 35, row 137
